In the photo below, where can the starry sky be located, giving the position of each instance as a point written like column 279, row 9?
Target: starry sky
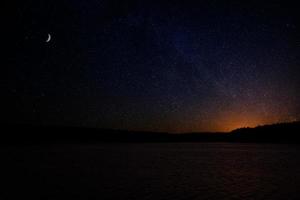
column 176, row 66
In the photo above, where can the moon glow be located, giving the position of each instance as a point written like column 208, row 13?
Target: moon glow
column 49, row 38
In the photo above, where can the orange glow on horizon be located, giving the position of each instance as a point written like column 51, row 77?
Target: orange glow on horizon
column 227, row 121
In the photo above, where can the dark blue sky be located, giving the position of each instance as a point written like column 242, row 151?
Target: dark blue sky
column 146, row 65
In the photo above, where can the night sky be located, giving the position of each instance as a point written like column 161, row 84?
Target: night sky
column 148, row 65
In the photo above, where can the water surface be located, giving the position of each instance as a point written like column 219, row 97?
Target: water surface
column 153, row 171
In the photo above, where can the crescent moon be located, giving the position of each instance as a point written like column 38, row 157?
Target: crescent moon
column 49, row 38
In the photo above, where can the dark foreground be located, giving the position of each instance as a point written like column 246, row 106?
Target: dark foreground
column 151, row 171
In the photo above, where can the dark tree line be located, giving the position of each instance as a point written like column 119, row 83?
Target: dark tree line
column 32, row 134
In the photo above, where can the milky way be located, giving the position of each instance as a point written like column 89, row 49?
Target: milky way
column 154, row 66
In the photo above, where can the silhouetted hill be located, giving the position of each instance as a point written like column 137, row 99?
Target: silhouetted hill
column 27, row 134
column 32, row 134
column 278, row 133
column 62, row 134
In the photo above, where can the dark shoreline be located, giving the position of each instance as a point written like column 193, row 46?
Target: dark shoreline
column 32, row 134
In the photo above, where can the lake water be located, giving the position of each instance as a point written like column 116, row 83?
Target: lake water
column 152, row 171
